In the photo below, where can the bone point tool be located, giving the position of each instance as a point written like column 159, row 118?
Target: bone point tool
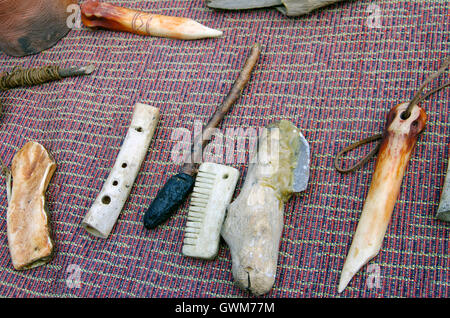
column 404, row 124
column 104, row 15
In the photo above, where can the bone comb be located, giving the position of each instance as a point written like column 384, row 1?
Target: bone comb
column 213, row 190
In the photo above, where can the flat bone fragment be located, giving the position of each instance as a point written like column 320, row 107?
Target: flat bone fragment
column 104, row 15
column 106, row 209
column 28, row 222
column 443, row 212
column 254, row 221
column 397, row 145
column 213, row 190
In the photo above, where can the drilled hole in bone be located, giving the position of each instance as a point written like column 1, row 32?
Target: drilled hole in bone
column 225, row 176
column 138, row 129
column 124, row 165
column 404, row 115
column 115, row 183
column 106, row 199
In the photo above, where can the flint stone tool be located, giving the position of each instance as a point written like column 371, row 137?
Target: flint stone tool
column 109, row 203
column 443, row 212
column 214, row 188
column 290, row 8
column 104, row 15
column 254, row 221
column 28, row 221
column 177, row 188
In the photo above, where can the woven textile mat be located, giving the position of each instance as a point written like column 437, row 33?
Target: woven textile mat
column 333, row 73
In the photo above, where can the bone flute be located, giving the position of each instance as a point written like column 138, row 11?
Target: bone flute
column 104, row 15
column 102, row 216
column 399, row 139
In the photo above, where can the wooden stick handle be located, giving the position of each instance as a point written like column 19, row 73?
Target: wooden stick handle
column 234, row 94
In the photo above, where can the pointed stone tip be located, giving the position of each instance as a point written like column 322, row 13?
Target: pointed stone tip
column 88, row 69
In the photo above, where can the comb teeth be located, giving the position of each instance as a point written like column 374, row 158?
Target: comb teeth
column 213, row 190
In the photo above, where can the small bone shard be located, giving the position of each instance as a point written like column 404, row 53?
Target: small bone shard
column 104, row 15
column 399, row 140
column 254, row 223
column 214, row 188
column 28, row 225
column 443, row 212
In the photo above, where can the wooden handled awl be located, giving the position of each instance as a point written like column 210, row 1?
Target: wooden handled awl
column 106, row 209
column 104, row 15
column 399, row 138
column 20, row 77
column 178, row 187
column 28, row 221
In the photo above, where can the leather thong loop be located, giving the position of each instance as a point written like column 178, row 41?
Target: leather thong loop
column 355, row 145
column 418, row 97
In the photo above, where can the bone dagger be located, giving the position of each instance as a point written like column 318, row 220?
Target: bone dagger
column 398, row 142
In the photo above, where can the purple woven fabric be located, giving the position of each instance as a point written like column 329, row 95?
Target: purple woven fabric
column 328, row 72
